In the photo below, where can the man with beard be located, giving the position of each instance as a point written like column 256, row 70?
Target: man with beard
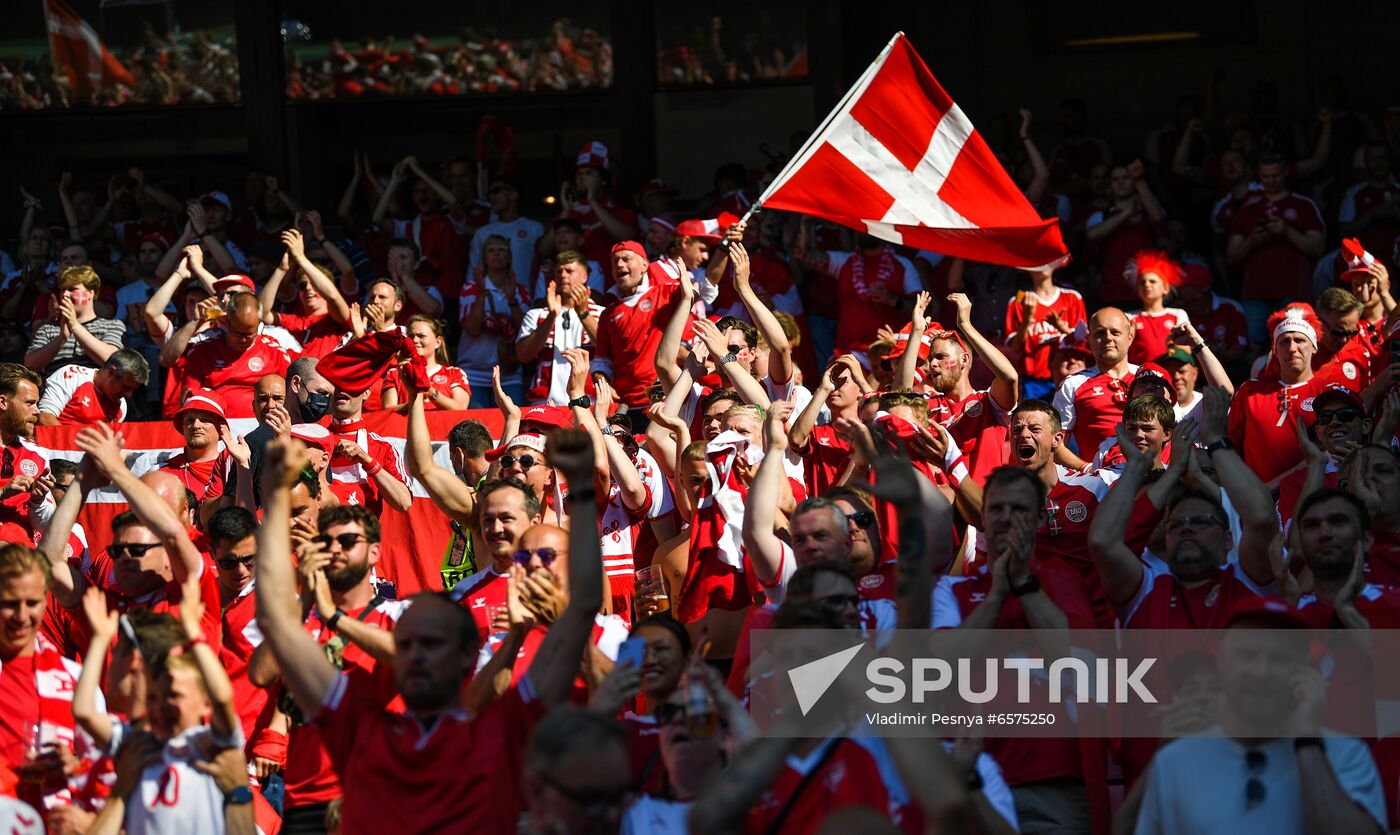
column 350, row 623
column 826, row 454
column 20, row 461
column 446, row 769
column 1272, row 759
column 365, row 469
column 977, row 420
column 201, row 420
column 233, row 362
column 280, row 402
column 1091, row 402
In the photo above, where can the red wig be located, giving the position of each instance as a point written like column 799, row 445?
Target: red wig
column 1156, row 261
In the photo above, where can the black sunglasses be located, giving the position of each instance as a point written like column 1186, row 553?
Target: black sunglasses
column 1345, row 414
column 525, row 461
column 1341, row 334
column 862, row 518
column 546, row 555
column 230, row 563
column 133, row 550
column 346, row 540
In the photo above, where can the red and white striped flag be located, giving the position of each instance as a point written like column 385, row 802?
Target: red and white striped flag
column 77, row 48
column 898, row 158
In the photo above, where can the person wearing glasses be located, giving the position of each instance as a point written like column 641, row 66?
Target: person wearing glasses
column 1349, row 351
column 353, row 626
column 506, row 508
column 1341, row 426
column 1274, row 769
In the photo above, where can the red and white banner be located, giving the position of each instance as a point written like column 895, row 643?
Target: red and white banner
column 413, row 543
column 77, row 48
column 898, row 159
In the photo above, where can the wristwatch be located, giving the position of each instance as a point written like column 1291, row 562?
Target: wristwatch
column 238, row 796
column 584, row 402
column 1031, row 586
column 334, row 621
column 728, row 358
column 1218, row 444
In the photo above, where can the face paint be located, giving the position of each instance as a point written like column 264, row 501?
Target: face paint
column 80, row 295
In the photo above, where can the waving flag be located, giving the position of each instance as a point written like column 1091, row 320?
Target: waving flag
column 899, row 159
column 77, row 48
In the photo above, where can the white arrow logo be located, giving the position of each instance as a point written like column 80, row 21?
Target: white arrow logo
column 813, row 679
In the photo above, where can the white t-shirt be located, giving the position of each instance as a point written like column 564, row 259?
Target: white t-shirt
column 655, row 816
column 174, row 797
column 63, row 384
column 1197, row 785
column 551, row 358
column 522, row 233
column 19, row 818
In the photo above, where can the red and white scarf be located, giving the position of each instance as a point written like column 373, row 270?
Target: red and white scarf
column 715, row 577
column 55, row 682
column 884, row 270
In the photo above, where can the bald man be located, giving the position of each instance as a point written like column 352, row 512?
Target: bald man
column 233, row 363
column 541, row 570
column 1091, row 402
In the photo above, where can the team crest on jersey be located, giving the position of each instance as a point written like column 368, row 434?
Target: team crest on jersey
column 1349, row 370
column 835, row 776
column 1076, row 511
column 1306, row 405
column 872, row 581
column 29, row 467
column 644, row 305
column 1213, row 596
column 440, row 379
column 973, row 409
column 478, row 603
column 255, row 364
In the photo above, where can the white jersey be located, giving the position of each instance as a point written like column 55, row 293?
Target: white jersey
column 19, row 818
column 73, row 381
column 174, row 797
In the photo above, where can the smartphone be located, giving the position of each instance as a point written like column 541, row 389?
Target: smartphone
column 633, row 650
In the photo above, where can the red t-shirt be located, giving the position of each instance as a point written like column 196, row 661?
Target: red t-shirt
column 857, row 274
column 348, row 479
column 1275, row 269
column 71, row 396
column 203, row 478
column 844, row 772
column 462, row 776
column 318, row 335
column 826, row 455
column 1356, row 364
column 982, row 430
column 1091, row 406
column 1364, row 198
column 1383, row 560
column 1224, row 326
column 444, row 380
column 1262, row 415
column 21, row 714
column 479, row 594
column 1152, row 333
column 213, row 364
column 1042, row 337
column 167, row 600
column 629, row 333
column 311, row 773
column 241, row 638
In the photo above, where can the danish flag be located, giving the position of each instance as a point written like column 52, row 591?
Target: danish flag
column 77, row 48
column 899, row 160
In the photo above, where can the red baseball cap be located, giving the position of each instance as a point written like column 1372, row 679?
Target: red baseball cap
column 202, row 400
column 706, row 230
column 235, row 280
column 630, row 246
column 1153, row 371
column 1266, row 609
column 314, row 434
column 555, row 417
column 1342, row 392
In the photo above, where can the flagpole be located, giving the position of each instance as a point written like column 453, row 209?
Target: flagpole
column 808, row 147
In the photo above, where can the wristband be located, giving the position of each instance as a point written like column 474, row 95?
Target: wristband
column 1198, row 347
column 238, row 796
column 1031, row 586
column 373, row 468
column 198, row 639
column 332, row 622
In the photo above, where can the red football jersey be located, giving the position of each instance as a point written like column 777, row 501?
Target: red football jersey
column 1091, row 404
column 1262, row 415
column 481, row 593
column 444, row 380
column 70, row 395
column 1357, row 363
column 318, row 335
column 348, row 479
column 826, row 455
column 213, row 364
column 982, row 431
column 1275, row 270
column 629, row 333
column 1152, row 333
column 1042, row 337
column 837, row 773
column 1224, row 325
column 241, row 638
column 856, row 274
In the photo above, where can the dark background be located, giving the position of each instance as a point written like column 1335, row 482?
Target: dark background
column 991, row 56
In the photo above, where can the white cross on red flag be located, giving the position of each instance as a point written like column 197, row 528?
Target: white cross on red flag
column 899, row 159
column 77, row 48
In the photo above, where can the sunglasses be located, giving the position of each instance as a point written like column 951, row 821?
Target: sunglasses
column 1345, row 415
column 1194, row 522
column 592, row 803
column 525, row 461
column 133, row 550
column 230, row 563
column 862, row 518
column 737, row 349
column 546, row 555
column 1341, row 334
column 346, row 540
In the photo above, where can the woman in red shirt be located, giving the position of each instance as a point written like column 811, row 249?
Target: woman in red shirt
column 450, row 390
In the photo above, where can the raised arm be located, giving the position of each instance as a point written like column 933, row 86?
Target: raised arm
column 102, row 623
column 739, row 376
column 909, row 360
column 1150, row 203
column 381, row 208
column 443, row 192
column 448, row 492
column 68, row 581
column 305, row 670
column 1120, row 570
column 761, row 543
column 924, row 514
column 65, row 198
column 296, row 248
column 1005, row 380
column 560, row 653
column 104, row 447
column 669, row 349
column 1040, row 172
column 1250, row 498
column 223, row 717
column 780, row 365
column 1211, row 368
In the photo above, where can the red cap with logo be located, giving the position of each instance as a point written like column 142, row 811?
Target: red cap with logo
column 202, row 400
column 555, row 417
column 1252, row 607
